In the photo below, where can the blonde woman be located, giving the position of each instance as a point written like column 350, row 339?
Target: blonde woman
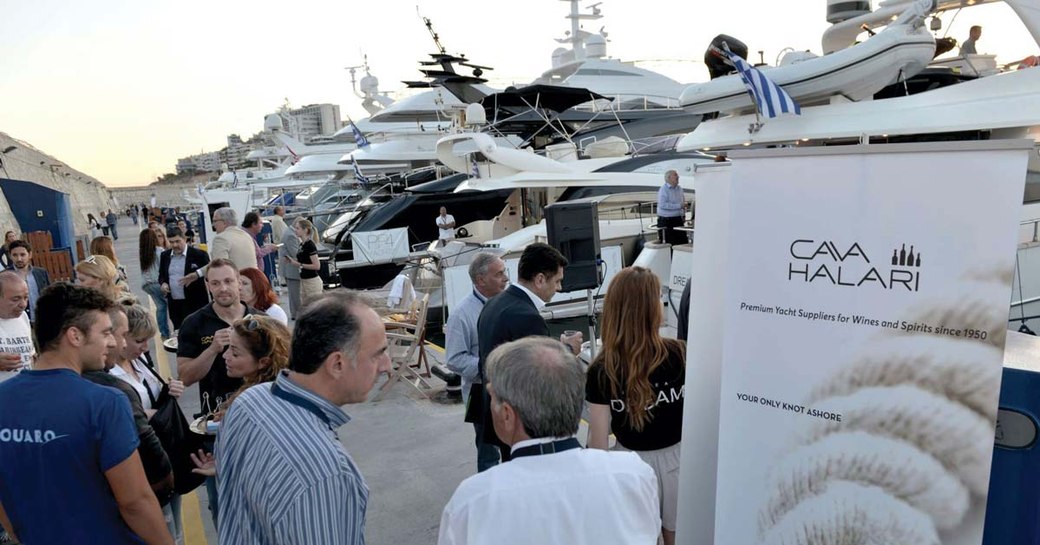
column 635, row 384
column 307, row 260
column 98, row 272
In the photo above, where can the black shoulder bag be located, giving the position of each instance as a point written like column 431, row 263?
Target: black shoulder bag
column 176, row 436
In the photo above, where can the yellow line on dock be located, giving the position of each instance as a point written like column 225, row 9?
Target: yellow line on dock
column 191, row 514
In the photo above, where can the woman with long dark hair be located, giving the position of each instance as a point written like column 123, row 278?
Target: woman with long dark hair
column 256, row 291
column 635, row 384
column 148, row 252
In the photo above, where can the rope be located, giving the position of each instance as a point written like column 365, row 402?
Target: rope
column 912, row 452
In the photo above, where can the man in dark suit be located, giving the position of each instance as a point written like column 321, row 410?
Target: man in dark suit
column 35, row 277
column 514, row 314
column 176, row 272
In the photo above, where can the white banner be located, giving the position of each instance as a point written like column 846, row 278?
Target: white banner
column 382, row 246
column 863, row 322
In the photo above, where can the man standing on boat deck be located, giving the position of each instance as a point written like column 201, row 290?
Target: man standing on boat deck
column 968, row 47
column 671, row 209
column 445, row 226
column 488, row 274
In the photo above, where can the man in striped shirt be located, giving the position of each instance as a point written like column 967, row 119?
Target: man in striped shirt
column 283, row 476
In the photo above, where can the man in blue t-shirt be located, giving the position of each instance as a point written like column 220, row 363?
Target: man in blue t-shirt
column 69, row 468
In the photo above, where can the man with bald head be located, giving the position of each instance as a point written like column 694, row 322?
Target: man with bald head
column 16, row 346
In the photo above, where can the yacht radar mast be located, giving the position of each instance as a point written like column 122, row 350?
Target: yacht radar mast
column 372, row 100
column 576, row 37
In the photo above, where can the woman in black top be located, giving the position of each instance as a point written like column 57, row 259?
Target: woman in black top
column 635, row 384
column 307, row 259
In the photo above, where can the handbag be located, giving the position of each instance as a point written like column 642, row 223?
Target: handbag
column 176, row 437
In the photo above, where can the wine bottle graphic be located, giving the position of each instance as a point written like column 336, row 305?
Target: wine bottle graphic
column 902, row 255
column 895, row 257
column 910, row 257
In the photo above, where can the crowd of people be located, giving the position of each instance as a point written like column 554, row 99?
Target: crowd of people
column 274, row 469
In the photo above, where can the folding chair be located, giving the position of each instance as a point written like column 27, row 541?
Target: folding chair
column 407, row 347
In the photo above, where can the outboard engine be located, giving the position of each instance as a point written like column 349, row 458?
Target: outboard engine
column 715, row 56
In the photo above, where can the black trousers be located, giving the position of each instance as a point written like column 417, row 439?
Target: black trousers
column 668, row 234
column 179, row 310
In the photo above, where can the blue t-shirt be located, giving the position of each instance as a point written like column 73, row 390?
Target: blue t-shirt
column 59, row 433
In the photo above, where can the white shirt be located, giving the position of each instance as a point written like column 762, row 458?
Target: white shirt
column 278, row 313
column 579, row 496
column 446, row 234
column 16, row 337
column 147, row 382
column 538, row 303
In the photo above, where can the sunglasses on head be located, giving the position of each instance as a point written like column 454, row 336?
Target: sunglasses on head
column 252, row 323
column 91, row 259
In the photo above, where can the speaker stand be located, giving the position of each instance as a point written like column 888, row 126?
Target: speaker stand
column 592, row 325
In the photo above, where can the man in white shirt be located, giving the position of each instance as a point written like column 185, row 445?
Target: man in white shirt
column 445, row 226
column 552, row 491
column 16, row 346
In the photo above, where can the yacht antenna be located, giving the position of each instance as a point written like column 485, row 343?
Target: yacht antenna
column 353, row 74
column 433, row 34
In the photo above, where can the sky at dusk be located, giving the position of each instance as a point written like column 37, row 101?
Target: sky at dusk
column 120, row 89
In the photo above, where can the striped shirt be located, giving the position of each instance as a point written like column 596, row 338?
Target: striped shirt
column 283, row 477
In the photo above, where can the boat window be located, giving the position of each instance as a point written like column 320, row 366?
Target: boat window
column 601, row 72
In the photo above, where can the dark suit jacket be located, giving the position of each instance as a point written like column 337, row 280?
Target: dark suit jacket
column 508, row 316
column 194, row 258
column 42, row 278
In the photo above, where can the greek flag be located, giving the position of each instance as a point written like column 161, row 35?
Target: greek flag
column 361, row 178
column 770, row 99
column 359, row 138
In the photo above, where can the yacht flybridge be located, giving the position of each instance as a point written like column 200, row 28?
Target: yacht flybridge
column 855, row 73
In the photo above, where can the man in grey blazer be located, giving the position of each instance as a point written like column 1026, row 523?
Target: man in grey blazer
column 290, row 246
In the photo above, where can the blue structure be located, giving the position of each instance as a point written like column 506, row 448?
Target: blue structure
column 1013, row 508
column 40, row 208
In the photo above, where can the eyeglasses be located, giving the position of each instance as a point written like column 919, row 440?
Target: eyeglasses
column 91, row 260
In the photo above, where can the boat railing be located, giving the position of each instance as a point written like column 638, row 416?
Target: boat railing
column 634, row 102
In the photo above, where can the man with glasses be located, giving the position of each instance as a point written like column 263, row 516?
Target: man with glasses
column 232, row 242
column 179, row 262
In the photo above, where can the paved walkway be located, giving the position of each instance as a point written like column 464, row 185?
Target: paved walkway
column 412, row 451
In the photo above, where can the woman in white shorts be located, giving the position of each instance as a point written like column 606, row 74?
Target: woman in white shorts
column 635, row 384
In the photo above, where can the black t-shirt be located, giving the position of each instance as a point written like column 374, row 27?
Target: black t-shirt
column 307, row 249
column 664, row 428
column 195, row 336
